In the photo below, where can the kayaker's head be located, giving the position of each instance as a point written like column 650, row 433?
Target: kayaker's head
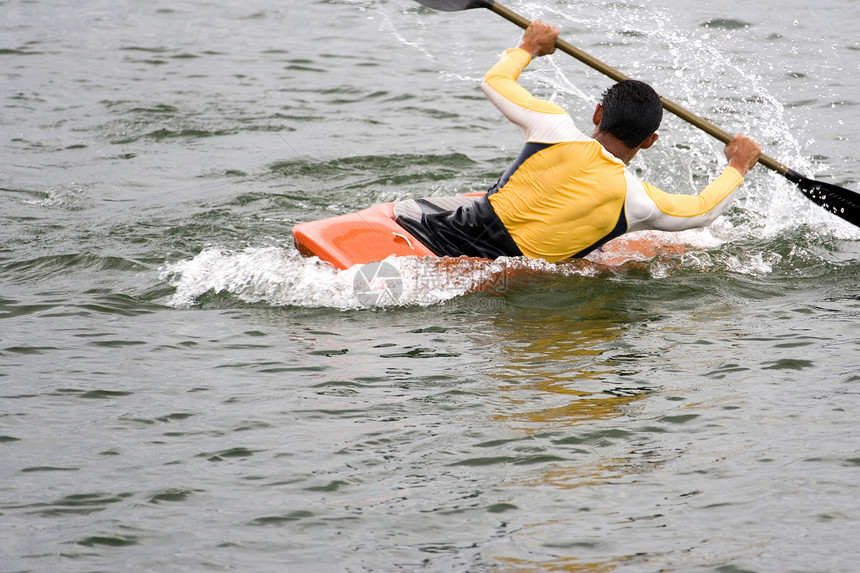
column 631, row 112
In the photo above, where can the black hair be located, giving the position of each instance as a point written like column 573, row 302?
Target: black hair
column 631, row 112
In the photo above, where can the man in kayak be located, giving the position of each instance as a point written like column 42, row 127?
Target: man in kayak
column 567, row 194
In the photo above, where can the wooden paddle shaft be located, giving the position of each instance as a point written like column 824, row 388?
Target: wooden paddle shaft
column 611, row 72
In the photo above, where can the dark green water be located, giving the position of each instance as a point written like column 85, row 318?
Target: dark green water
column 181, row 391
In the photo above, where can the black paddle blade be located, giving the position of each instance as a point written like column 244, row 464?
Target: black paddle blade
column 456, row 5
column 841, row 202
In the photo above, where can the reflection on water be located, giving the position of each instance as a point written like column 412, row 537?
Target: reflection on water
column 572, row 564
column 568, row 367
column 594, row 382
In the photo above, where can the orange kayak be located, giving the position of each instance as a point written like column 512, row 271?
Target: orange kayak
column 372, row 235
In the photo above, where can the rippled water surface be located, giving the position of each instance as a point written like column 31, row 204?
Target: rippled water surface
column 182, row 391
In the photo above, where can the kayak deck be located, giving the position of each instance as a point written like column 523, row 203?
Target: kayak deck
column 366, row 236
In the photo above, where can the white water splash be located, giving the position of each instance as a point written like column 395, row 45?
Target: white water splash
column 282, row 277
column 278, row 276
column 265, row 274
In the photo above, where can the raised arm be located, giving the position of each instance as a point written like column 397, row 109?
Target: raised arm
column 539, row 120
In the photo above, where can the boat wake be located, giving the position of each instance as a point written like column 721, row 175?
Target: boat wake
column 281, row 277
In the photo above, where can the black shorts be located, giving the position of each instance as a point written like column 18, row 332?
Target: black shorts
column 456, row 226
